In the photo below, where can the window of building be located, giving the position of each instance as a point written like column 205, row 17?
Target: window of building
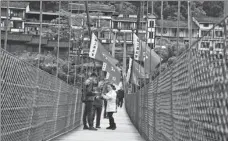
column 142, row 36
column 105, row 23
column 219, row 45
column 17, row 24
column 126, row 25
column 218, row 33
column 102, row 35
column 2, row 23
column 205, row 44
column 115, row 25
column 220, row 25
column 128, row 36
column 151, row 24
column 15, row 13
column 151, row 45
column 205, row 33
column 206, row 24
column 151, row 35
column 96, row 33
column 164, row 31
column 126, row 16
column 181, row 29
column 174, row 30
column 142, row 26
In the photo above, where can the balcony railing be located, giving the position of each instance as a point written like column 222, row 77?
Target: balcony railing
column 38, row 21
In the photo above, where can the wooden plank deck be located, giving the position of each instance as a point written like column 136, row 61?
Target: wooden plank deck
column 125, row 131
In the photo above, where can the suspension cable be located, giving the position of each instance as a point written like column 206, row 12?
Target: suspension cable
column 161, row 32
column 6, row 26
column 40, row 38
column 178, row 23
column 69, row 45
column 146, row 35
column 1, row 55
column 57, row 66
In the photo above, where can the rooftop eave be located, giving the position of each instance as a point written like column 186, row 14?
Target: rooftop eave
column 44, row 13
column 14, row 8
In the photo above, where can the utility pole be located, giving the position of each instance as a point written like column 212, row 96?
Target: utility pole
column 225, row 8
column 190, row 23
column 138, row 18
column 7, row 25
column 89, row 24
column 178, row 23
column 88, row 19
column 0, row 75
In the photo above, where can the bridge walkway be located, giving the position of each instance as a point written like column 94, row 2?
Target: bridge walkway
column 125, row 131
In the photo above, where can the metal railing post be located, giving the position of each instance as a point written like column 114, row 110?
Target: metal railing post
column 57, row 103
column 46, row 114
column 75, row 109
column 1, row 55
column 37, row 88
column 171, row 107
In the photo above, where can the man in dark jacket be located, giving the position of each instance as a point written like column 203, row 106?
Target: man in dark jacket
column 120, row 96
column 88, row 99
column 97, row 107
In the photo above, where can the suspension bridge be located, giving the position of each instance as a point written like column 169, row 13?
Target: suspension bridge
column 188, row 101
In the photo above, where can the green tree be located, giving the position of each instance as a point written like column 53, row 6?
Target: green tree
column 213, row 8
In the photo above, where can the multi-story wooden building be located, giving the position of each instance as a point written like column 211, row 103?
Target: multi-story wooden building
column 100, row 20
column 212, row 40
column 105, row 22
column 126, row 25
column 170, row 30
column 15, row 15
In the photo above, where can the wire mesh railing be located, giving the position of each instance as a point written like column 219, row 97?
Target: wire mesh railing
column 189, row 100
column 31, row 109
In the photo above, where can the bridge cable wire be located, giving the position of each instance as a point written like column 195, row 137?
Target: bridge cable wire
column 69, row 44
column 1, row 55
column 7, row 25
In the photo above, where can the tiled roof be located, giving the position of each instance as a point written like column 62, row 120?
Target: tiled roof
column 91, row 64
column 15, row 4
column 35, row 40
column 127, row 19
column 55, row 44
column 173, row 24
column 18, row 37
column 208, row 19
column 92, row 7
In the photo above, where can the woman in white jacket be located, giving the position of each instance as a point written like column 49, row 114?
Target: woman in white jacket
column 111, row 105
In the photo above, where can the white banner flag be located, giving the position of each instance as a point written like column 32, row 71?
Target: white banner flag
column 136, row 46
column 93, row 46
column 107, row 75
column 129, row 70
column 104, row 66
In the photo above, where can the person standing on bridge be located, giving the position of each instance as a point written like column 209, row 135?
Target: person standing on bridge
column 88, row 98
column 111, row 105
column 120, row 96
column 98, row 102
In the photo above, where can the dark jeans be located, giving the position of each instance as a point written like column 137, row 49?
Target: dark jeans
column 105, row 106
column 88, row 114
column 97, row 111
column 111, row 119
column 120, row 102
